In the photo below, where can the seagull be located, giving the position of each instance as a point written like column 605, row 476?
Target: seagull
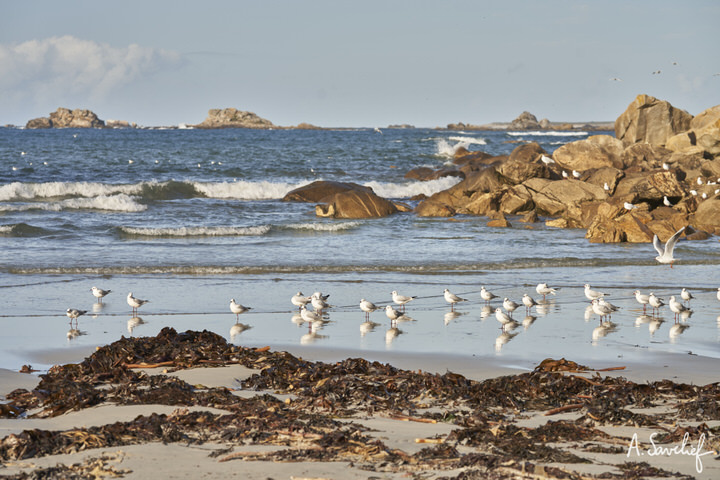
column 392, row 314
column 509, row 305
column 665, row 253
column 564, row 174
column 504, row 319
column 686, row 295
column 576, row 174
column 606, row 187
column 320, row 296
column 237, row 309
column 607, row 304
column 378, row 130
column 616, row 79
column 486, row 295
column 694, row 192
column 135, row 303
column 310, row 317
column 699, row 181
column 367, row 307
column 529, row 302
column 543, row 289
column 99, row 293
column 546, row 160
column 665, row 166
column 718, row 293
column 599, row 309
column 74, row 313
column 300, row 300
column 655, row 302
column 318, row 303
column 642, row 299
column 401, row 299
column 677, row 307
column 629, row 205
column 593, row 294
column 452, row 299
column 667, row 202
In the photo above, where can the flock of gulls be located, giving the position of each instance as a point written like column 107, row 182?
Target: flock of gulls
column 313, row 311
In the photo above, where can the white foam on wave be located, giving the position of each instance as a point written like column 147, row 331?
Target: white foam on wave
column 446, row 149
column 554, row 133
column 469, row 140
column 197, row 231
column 324, row 227
column 410, row 189
column 111, row 203
column 242, row 190
column 29, row 191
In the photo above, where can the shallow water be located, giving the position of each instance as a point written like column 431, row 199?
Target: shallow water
column 196, row 219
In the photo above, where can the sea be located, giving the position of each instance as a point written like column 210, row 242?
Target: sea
column 190, row 219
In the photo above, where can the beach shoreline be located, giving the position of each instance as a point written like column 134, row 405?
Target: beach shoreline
column 250, row 460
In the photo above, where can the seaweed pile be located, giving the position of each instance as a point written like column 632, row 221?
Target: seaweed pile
column 321, row 418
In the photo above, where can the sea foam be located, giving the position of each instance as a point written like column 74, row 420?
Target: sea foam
column 242, row 190
column 553, row 133
column 112, row 203
column 196, row 231
column 410, row 189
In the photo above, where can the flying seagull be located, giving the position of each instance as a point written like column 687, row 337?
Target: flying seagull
column 665, row 252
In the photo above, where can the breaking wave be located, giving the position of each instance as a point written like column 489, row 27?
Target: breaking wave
column 22, row 230
column 410, row 189
column 553, row 133
column 111, row 203
column 195, row 231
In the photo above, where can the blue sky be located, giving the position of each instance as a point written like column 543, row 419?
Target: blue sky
column 370, row 63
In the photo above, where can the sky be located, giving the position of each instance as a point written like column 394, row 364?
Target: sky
column 363, row 63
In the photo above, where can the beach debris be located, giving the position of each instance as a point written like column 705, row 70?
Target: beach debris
column 323, row 420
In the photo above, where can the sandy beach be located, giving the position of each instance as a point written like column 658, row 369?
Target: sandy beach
column 325, row 427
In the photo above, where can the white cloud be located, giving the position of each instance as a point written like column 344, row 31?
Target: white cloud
column 66, row 68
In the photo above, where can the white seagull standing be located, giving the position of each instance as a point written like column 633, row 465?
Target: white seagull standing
column 665, row 253
column 655, row 302
column 677, row 307
column 642, row 299
column 392, row 314
column 546, row 160
column 686, row 295
column 529, row 302
column 99, row 293
column 135, row 303
column 367, row 307
column 600, row 309
column 318, row 303
column 486, row 295
column 667, row 202
column 593, row 294
column 237, row 309
column 299, row 300
column 509, row 305
column 74, row 313
column 452, row 299
column 401, row 299
column 504, row 319
column 543, row 290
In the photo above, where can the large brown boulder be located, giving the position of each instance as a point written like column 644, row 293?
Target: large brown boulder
column 507, row 200
column 649, row 120
column 425, row 174
column 563, row 197
column 320, row 190
column 596, row 151
column 42, row 122
column 645, row 156
column 355, row 204
column 707, row 216
column 523, row 164
column 429, row 208
column 459, row 195
column 644, row 187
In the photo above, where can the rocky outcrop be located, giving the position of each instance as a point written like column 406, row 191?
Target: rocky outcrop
column 233, row 118
column 649, row 120
column 596, row 151
column 656, row 162
column 525, row 121
column 343, row 200
column 66, row 118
